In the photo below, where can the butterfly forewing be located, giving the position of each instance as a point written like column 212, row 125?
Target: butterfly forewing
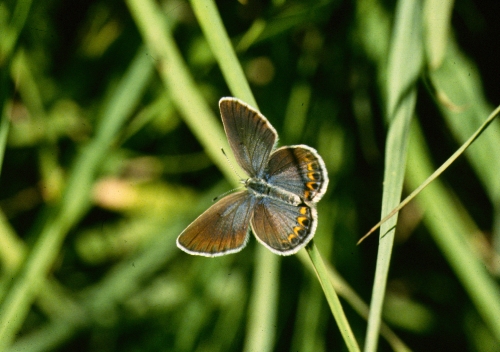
column 283, row 228
column 298, row 169
column 250, row 135
column 222, row 229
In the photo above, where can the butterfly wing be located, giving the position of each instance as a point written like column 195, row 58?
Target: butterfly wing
column 283, row 228
column 221, row 229
column 250, row 135
column 298, row 169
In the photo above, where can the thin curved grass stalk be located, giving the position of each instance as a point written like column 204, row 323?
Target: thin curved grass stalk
column 436, row 173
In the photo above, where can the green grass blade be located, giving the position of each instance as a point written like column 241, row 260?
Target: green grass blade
column 213, row 29
column 75, row 201
column 4, row 132
column 345, row 291
column 393, row 180
column 205, row 125
column 458, row 78
column 436, row 173
column 263, row 305
column 331, row 296
column 12, row 32
column 450, row 230
column 405, row 63
column 437, row 17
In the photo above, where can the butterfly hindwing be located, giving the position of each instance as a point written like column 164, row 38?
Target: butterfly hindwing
column 283, row 228
column 222, row 229
column 250, row 135
column 298, row 169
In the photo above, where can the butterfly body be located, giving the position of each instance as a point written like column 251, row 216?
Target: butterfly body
column 261, row 188
column 279, row 201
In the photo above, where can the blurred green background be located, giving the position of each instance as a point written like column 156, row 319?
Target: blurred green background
column 109, row 147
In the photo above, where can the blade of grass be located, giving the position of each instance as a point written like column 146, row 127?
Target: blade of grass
column 437, row 19
column 288, row 17
column 310, row 322
column 459, row 78
column 331, row 297
column 11, row 34
column 405, row 62
column 396, row 147
column 74, row 203
column 46, row 338
column 4, row 98
column 204, row 124
column 4, row 132
column 436, row 173
column 263, row 305
column 213, row 29
column 450, row 229
column 345, row 291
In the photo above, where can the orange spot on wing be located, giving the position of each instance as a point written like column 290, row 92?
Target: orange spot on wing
column 304, row 221
column 313, row 186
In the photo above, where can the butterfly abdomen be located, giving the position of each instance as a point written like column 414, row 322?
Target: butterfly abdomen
column 261, row 188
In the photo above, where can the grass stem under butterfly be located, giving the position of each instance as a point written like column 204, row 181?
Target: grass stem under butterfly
column 331, row 296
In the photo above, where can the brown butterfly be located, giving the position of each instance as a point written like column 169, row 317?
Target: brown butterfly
column 279, row 200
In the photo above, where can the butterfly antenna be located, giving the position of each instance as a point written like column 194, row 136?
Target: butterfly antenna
column 237, row 174
column 230, row 164
column 226, row 193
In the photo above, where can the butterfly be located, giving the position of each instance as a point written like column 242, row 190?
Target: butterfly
column 279, row 200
